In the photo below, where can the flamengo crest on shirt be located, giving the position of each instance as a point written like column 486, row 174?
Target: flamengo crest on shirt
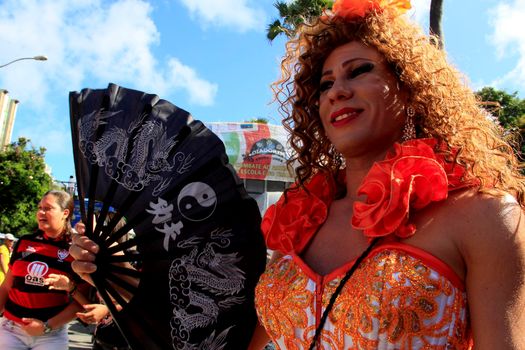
column 62, row 254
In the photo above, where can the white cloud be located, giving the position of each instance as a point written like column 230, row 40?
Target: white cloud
column 420, row 12
column 236, row 14
column 56, row 140
column 201, row 92
column 87, row 42
column 509, row 40
column 84, row 39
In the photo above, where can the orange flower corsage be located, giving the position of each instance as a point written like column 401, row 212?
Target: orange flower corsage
column 408, row 179
column 352, row 9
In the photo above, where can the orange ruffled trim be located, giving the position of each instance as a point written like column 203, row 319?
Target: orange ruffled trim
column 352, row 9
column 289, row 224
column 410, row 178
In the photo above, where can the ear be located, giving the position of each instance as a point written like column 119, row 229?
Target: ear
column 66, row 213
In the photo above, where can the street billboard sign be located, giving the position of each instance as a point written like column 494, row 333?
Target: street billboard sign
column 256, row 151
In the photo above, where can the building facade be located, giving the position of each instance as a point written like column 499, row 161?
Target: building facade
column 258, row 152
column 8, row 107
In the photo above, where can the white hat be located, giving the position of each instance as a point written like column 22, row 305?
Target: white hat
column 10, row 237
column 2, row 235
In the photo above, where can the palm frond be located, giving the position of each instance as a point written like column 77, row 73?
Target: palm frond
column 294, row 14
column 274, row 29
column 282, row 8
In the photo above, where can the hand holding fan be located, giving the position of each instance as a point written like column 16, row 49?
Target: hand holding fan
column 197, row 235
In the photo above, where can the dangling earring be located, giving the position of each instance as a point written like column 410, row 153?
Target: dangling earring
column 409, row 130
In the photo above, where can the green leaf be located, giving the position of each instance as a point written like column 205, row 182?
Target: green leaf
column 23, row 181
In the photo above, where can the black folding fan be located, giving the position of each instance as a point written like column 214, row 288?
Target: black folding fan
column 197, row 242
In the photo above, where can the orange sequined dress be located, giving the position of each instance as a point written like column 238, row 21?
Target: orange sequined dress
column 400, row 297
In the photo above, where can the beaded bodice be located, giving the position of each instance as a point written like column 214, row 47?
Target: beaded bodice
column 399, row 298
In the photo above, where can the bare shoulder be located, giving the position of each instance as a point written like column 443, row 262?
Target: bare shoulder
column 489, row 232
column 482, row 222
column 482, row 211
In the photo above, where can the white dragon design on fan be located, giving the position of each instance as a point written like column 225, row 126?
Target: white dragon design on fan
column 136, row 164
column 197, row 276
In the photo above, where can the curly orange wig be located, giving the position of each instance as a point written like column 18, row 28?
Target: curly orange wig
column 446, row 108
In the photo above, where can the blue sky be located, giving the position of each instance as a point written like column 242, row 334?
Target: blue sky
column 210, row 57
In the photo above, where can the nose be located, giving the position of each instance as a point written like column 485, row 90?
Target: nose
column 340, row 90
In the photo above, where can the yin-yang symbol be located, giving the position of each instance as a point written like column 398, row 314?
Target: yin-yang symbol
column 197, row 201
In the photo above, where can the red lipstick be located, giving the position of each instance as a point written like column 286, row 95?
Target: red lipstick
column 344, row 116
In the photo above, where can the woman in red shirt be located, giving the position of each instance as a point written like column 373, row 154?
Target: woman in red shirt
column 35, row 317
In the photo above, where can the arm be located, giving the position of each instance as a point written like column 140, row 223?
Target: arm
column 259, row 339
column 62, row 282
column 35, row 327
column 494, row 253
column 4, row 262
column 93, row 313
column 4, row 289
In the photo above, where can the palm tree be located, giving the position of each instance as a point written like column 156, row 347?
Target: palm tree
column 258, row 120
column 436, row 12
column 294, row 14
column 297, row 12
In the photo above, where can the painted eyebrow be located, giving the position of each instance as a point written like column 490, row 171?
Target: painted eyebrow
column 346, row 63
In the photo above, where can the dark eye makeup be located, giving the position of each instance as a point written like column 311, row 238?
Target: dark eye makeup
column 361, row 69
column 325, row 85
